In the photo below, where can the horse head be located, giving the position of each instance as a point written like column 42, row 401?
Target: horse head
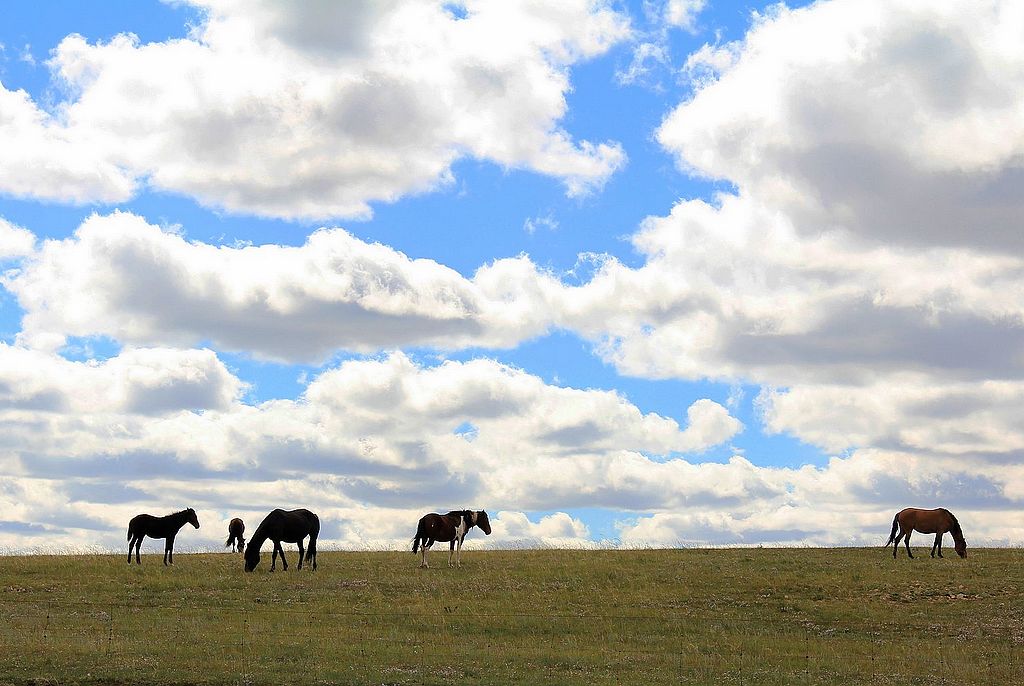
column 193, row 519
column 961, row 548
column 252, row 557
column 483, row 522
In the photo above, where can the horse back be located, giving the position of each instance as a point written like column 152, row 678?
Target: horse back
column 291, row 526
column 438, row 527
column 925, row 521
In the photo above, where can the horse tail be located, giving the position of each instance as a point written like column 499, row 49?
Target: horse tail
column 420, row 533
column 895, row 525
column 129, row 532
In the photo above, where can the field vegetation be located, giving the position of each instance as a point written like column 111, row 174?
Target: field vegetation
column 741, row 616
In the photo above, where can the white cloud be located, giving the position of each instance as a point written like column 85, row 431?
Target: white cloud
column 370, row 446
column 15, row 241
column 163, row 429
column 544, row 221
column 683, row 13
column 897, row 121
column 313, row 110
column 121, row 277
column 557, row 530
column 44, row 159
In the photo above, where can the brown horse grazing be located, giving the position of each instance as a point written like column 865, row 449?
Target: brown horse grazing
column 936, row 522
column 167, row 527
column 291, row 527
column 236, row 527
column 451, row 527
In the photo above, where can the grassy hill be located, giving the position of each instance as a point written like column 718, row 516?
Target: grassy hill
column 743, row 616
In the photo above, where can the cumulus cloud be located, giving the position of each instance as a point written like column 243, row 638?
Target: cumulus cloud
column 373, row 434
column 313, row 110
column 896, row 121
column 43, row 159
column 121, row 277
column 15, row 241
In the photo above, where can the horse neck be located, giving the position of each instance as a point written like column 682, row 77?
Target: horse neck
column 954, row 527
column 178, row 519
column 259, row 536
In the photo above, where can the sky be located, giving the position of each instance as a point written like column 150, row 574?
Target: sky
column 642, row 274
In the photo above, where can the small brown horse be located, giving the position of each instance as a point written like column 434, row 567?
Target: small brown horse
column 236, row 541
column 936, row 522
column 451, row 527
column 167, row 527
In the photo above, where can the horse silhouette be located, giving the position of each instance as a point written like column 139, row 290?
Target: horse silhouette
column 937, row 522
column 167, row 527
column 289, row 526
column 236, row 541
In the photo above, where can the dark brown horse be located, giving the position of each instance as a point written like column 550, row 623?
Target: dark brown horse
column 936, row 522
column 451, row 527
column 236, row 541
column 289, row 526
column 167, row 527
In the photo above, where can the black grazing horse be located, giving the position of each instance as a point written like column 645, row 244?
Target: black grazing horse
column 167, row 527
column 451, row 527
column 289, row 526
column 236, row 527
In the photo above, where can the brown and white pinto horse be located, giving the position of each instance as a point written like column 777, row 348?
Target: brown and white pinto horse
column 236, row 538
column 451, row 527
column 937, row 522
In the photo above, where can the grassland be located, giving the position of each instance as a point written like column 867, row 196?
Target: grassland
column 764, row 616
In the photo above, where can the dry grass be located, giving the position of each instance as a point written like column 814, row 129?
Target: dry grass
column 808, row 616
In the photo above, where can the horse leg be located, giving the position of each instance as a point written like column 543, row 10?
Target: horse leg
column 426, row 544
column 273, row 559
column 938, row 543
column 458, row 554
column 311, row 552
column 896, row 544
column 280, row 551
column 906, row 542
column 451, row 550
column 131, row 542
column 302, row 552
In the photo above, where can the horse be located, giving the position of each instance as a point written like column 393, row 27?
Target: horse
column 937, row 522
column 451, row 527
column 143, row 525
column 236, row 527
column 289, row 526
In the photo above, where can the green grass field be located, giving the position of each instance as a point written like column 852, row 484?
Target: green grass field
column 740, row 616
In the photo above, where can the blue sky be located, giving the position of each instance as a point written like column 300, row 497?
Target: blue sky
column 686, row 247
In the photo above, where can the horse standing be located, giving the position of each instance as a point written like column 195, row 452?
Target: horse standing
column 289, row 526
column 236, row 527
column 167, row 527
column 451, row 527
column 937, row 522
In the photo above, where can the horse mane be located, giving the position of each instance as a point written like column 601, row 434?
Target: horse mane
column 954, row 528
